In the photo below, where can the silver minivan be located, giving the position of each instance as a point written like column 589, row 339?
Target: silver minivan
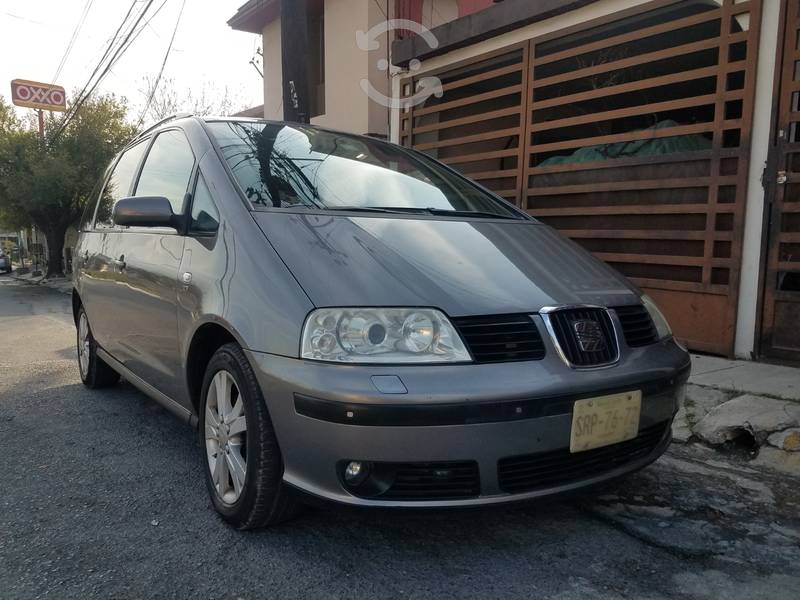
column 346, row 319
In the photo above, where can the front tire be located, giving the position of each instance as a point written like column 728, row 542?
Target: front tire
column 243, row 466
column 95, row 373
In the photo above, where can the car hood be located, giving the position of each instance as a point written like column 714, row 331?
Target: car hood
column 472, row 267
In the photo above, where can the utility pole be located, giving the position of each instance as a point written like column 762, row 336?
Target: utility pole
column 294, row 58
column 41, row 123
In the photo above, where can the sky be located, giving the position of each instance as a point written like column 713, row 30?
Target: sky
column 34, row 35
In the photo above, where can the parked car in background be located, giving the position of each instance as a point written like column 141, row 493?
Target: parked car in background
column 351, row 320
column 5, row 262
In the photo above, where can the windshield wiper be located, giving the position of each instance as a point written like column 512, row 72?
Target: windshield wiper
column 439, row 212
column 469, row 213
column 378, row 209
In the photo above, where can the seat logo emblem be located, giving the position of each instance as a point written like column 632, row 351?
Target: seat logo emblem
column 589, row 336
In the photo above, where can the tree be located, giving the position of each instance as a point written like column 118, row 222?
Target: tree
column 48, row 182
column 10, row 219
column 205, row 100
column 8, row 118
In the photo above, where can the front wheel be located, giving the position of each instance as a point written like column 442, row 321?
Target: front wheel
column 243, row 466
column 95, row 373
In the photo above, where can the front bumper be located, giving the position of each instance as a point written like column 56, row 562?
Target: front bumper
column 325, row 414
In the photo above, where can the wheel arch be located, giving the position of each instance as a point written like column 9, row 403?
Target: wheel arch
column 76, row 304
column 205, row 341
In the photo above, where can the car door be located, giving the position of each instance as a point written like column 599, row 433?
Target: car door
column 100, row 276
column 151, row 258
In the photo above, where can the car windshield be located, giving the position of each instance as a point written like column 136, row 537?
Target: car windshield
column 290, row 166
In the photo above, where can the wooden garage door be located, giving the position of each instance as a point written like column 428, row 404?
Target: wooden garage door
column 477, row 125
column 781, row 324
column 635, row 143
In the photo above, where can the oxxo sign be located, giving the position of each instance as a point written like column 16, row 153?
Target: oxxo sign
column 43, row 96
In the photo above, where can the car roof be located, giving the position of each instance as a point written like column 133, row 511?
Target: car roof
column 212, row 119
column 178, row 117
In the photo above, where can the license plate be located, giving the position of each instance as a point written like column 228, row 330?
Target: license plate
column 598, row 422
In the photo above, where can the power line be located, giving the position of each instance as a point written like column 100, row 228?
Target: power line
column 146, row 24
column 163, row 64
column 90, row 86
column 75, row 33
column 79, row 98
column 13, row 16
column 126, row 43
column 111, row 43
column 380, row 8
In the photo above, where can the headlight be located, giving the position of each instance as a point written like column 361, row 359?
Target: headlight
column 381, row 335
column 662, row 327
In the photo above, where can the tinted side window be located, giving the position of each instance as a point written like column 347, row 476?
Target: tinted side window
column 167, row 170
column 119, row 184
column 205, row 217
column 91, row 203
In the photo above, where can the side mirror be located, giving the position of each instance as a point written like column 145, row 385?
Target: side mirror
column 145, row 211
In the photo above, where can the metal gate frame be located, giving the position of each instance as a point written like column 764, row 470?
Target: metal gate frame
column 779, row 176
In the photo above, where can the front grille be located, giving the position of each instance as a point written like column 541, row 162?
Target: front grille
column 585, row 336
column 503, row 338
column 430, row 481
column 547, row 469
column 637, row 326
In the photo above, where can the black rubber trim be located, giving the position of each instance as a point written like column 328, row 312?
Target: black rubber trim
column 431, row 415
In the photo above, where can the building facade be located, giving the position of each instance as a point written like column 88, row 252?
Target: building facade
column 659, row 134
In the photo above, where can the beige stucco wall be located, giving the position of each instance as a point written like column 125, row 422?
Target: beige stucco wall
column 273, row 71
column 380, row 80
column 347, row 106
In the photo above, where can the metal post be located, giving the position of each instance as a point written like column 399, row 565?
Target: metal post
column 40, row 112
column 294, row 55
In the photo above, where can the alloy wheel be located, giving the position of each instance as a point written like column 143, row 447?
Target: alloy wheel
column 226, row 437
column 84, row 344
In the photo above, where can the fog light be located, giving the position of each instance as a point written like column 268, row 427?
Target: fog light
column 356, row 472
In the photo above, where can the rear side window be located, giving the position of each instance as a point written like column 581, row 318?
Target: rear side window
column 205, row 217
column 119, row 184
column 168, row 169
column 91, row 205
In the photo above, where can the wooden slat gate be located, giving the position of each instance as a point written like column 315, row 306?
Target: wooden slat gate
column 781, row 323
column 629, row 134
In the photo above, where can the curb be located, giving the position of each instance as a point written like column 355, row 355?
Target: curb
column 702, row 404
column 43, row 283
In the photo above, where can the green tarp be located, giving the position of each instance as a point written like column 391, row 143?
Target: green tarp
column 651, row 147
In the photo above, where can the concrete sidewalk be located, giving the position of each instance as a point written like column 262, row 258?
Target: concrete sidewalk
column 60, row 284
column 747, row 407
column 744, row 376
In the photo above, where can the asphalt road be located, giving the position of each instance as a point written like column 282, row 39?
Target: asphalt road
column 101, row 496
